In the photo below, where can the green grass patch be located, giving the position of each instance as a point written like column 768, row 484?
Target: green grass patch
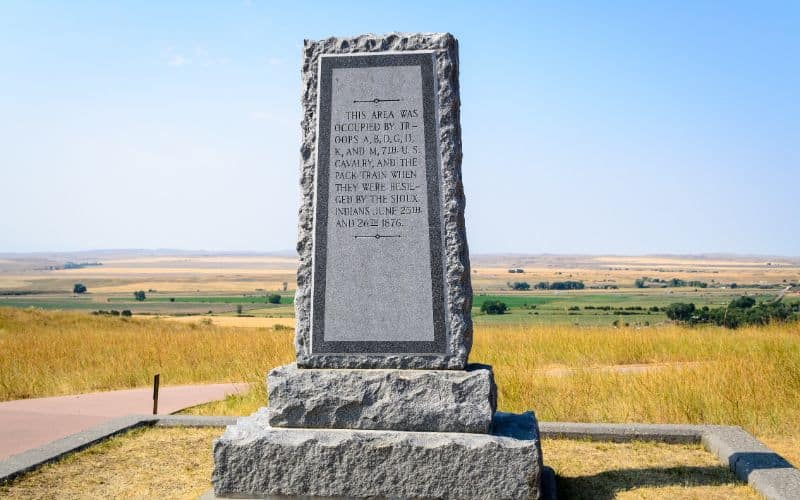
column 224, row 299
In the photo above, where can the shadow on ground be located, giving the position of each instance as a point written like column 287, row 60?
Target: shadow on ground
column 605, row 485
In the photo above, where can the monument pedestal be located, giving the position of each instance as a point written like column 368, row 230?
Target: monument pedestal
column 383, row 399
column 380, row 433
column 253, row 459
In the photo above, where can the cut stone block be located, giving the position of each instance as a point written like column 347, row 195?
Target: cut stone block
column 402, row 400
column 253, row 459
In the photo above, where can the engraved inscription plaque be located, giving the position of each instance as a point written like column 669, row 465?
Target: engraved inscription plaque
column 378, row 265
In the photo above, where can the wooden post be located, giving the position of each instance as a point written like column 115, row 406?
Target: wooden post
column 156, row 380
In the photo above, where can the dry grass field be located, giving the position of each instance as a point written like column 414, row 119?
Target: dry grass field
column 176, row 463
column 234, row 321
column 51, row 353
column 748, row 377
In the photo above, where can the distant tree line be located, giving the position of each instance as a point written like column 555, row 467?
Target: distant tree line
column 739, row 312
column 113, row 312
column 80, row 265
column 559, row 285
column 519, row 285
column 645, row 282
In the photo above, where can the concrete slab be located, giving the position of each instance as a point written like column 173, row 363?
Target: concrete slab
column 28, row 423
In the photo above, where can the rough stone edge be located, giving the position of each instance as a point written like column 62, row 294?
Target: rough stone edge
column 750, row 460
column 470, row 368
column 19, row 464
column 510, row 431
column 459, row 286
column 547, row 491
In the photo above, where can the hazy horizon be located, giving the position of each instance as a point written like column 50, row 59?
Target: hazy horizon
column 625, row 129
column 290, row 252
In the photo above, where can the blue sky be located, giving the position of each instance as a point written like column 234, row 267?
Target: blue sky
column 588, row 127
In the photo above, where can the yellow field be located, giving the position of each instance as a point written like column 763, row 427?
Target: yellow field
column 49, row 353
column 236, row 321
column 273, row 281
column 748, row 377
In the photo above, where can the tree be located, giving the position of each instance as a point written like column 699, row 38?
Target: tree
column 639, row 283
column 520, row 285
column 743, row 302
column 274, row 298
column 680, row 311
column 238, row 309
column 139, row 295
column 127, row 312
column 494, row 307
column 79, row 288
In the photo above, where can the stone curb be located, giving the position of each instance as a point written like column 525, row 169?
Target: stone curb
column 194, row 421
column 620, row 433
column 749, row 459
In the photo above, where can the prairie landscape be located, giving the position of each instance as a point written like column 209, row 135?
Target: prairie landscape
column 603, row 353
column 238, row 285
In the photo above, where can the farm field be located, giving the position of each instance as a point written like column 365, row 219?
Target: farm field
column 237, row 286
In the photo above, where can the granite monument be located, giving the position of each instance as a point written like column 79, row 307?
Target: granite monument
column 381, row 401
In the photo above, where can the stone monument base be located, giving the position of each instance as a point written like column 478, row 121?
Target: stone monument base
column 383, row 399
column 253, row 459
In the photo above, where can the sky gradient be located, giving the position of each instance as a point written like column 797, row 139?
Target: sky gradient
column 627, row 128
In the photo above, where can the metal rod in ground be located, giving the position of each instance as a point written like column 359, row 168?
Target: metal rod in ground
column 156, row 380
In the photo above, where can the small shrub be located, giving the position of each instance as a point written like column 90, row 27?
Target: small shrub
column 494, row 307
column 743, row 302
column 274, row 298
column 680, row 311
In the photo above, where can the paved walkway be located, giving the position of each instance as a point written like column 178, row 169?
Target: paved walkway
column 28, row 423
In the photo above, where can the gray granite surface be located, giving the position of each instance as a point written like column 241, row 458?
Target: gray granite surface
column 254, row 459
column 403, row 400
column 458, row 290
